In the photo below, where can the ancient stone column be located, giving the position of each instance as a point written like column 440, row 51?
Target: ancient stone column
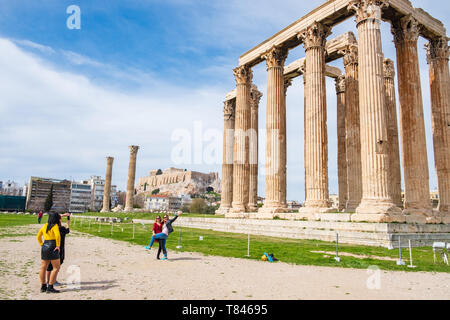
column 352, row 127
column 255, row 97
column 241, row 167
column 342, row 155
column 438, row 57
column 228, row 150
column 394, row 152
column 376, row 204
column 275, row 133
column 417, row 205
column 287, row 84
column 316, row 140
column 131, row 178
column 107, row 190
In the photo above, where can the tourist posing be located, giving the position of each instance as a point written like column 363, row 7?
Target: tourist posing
column 50, row 249
column 166, row 231
column 63, row 231
column 157, row 228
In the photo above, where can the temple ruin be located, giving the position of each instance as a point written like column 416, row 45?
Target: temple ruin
column 369, row 166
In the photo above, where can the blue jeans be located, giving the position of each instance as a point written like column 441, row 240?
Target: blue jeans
column 162, row 237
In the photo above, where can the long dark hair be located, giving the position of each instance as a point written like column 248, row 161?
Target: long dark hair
column 53, row 220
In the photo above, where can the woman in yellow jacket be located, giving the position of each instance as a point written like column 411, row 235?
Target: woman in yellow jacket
column 50, row 251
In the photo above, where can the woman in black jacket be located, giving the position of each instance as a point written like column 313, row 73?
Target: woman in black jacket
column 63, row 232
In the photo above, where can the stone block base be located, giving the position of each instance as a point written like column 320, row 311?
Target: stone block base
column 222, row 211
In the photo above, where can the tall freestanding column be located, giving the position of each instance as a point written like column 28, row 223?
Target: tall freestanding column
column 316, row 141
column 131, row 178
column 227, row 162
column 342, row 154
column 107, row 190
column 241, row 167
column 417, row 206
column 438, row 57
column 255, row 97
column 395, row 177
column 352, row 127
column 376, row 204
column 275, row 133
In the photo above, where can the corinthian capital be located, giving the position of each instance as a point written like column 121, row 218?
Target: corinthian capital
column 229, row 108
column 388, row 68
column 340, row 84
column 243, row 75
column 255, row 97
column 287, row 84
column 367, row 9
column 406, row 29
column 109, row 160
column 314, row 36
column 275, row 56
column 437, row 49
column 133, row 150
column 350, row 54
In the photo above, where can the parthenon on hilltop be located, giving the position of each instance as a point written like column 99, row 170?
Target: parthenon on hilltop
column 369, row 141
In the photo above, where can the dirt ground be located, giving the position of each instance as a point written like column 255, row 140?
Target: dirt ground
column 97, row 268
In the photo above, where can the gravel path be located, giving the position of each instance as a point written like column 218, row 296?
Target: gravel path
column 110, row 269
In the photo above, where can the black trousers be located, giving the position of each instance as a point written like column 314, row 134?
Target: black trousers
column 159, row 249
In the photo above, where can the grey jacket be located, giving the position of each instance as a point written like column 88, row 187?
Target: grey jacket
column 168, row 224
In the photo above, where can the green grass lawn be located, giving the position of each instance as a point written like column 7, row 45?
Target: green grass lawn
column 235, row 245
column 286, row 250
column 11, row 220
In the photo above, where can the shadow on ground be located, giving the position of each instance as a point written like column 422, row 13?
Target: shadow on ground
column 85, row 286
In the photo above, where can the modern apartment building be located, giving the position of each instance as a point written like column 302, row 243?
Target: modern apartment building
column 39, row 189
column 97, row 184
column 163, row 203
column 80, row 197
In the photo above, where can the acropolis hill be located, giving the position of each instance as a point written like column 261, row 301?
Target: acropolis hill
column 178, row 181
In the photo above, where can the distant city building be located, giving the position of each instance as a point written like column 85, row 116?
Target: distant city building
column 185, row 200
column 75, row 197
column 10, row 188
column 80, row 197
column 39, row 189
column 164, row 203
column 97, row 190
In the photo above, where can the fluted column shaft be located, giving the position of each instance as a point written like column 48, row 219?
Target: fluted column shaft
column 376, row 202
column 275, row 132
column 342, row 154
column 353, row 131
column 241, row 167
column 414, row 148
column 227, row 157
column 394, row 149
column 438, row 57
column 107, row 191
column 131, row 178
column 255, row 97
column 316, row 140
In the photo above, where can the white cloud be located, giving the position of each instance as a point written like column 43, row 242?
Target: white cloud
column 34, row 45
column 60, row 124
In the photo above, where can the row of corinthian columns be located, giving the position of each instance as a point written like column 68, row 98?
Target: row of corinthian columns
column 369, row 167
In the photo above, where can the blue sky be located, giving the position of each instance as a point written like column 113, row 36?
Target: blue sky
column 139, row 72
